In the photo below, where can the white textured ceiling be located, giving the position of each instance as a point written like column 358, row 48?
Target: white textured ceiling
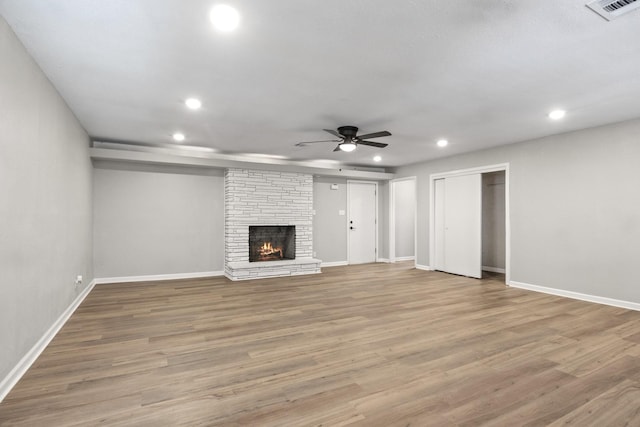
column 478, row 72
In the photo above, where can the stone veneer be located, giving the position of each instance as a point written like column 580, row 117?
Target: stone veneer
column 254, row 197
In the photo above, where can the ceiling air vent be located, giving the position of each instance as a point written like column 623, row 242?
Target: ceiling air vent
column 611, row 10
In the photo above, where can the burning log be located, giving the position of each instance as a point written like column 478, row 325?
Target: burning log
column 268, row 251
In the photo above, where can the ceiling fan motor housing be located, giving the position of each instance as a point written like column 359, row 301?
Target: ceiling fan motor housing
column 349, row 132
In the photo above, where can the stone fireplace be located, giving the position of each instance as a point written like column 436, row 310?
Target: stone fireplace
column 264, row 202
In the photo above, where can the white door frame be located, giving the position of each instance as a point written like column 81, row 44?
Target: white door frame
column 507, row 223
column 392, row 219
column 349, row 216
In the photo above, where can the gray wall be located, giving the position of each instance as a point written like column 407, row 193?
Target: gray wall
column 575, row 211
column 404, row 213
column 493, row 220
column 45, row 203
column 151, row 220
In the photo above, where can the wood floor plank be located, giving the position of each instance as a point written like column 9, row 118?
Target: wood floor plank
column 618, row 406
column 370, row 345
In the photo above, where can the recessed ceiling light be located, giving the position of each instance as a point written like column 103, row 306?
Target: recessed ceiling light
column 377, row 158
column 224, row 18
column 178, row 136
column 348, row 146
column 193, row 103
column 557, row 114
column 442, row 143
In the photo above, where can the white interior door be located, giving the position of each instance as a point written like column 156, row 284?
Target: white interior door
column 459, row 248
column 362, row 222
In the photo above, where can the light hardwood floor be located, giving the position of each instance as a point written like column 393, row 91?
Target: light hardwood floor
column 371, row 345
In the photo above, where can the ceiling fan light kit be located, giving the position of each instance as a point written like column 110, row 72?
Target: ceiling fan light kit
column 347, row 146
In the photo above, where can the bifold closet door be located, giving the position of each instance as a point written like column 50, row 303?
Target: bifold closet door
column 458, row 225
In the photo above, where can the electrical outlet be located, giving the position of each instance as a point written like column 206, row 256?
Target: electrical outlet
column 78, row 280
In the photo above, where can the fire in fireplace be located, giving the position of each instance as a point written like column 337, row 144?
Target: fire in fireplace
column 272, row 242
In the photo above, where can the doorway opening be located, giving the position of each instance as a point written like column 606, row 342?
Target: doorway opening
column 493, row 222
column 403, row 219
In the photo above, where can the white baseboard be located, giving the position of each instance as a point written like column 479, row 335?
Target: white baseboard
column 382, row 260
column 334, row 264
column 423, row 267
column 157, row 277
column 493, row 269
column 404, row 258
column 27, row 360
column 577, row 295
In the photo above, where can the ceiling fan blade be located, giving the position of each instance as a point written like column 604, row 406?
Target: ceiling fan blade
column 337, row 148
column 375, row 135
column 372, row 144
column 303, row 143
column 333, row 132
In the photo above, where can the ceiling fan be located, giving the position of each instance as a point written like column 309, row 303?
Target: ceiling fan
column 348, row 138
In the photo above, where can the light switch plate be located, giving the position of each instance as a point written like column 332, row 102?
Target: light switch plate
column 341, row 212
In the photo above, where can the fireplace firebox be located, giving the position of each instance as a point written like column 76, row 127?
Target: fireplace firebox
column 272, row 242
